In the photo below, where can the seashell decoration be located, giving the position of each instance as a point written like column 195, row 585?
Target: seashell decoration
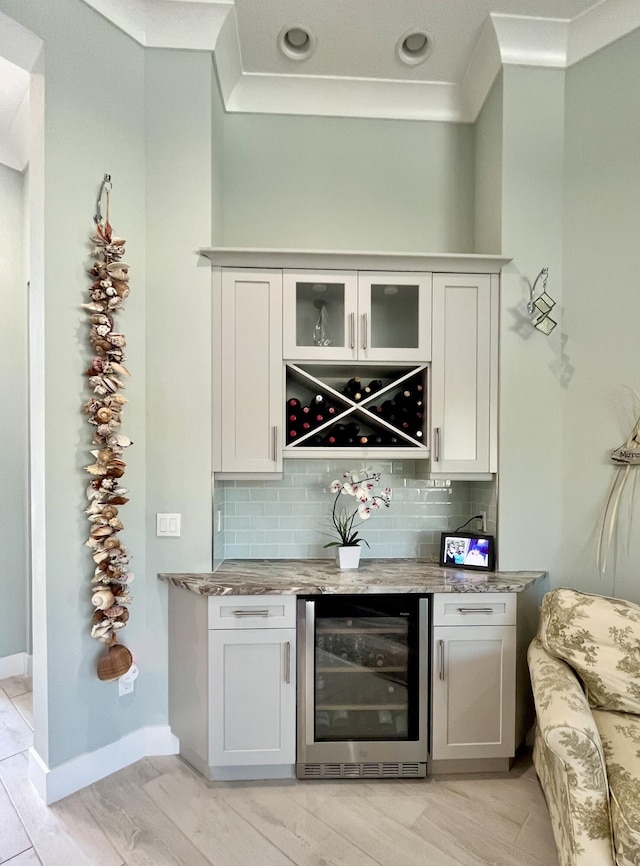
column 106, row 376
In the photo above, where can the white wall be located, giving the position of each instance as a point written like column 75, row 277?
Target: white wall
column 14, row 456
column 602, row 308
column 532, row 386
column 345, row 183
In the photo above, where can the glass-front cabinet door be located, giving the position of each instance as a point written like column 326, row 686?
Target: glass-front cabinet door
column 365, row 316
column 320, row 315
column 394, row 317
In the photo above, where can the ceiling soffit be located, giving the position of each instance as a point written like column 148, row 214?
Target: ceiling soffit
column 266, row 84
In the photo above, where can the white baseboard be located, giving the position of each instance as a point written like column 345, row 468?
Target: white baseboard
column 17, row 665
column 54, row 784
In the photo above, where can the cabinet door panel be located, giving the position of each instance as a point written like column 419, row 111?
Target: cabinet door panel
column 252, row 693
column 473, row 710
column 394, row 317
column 251, row 381
column 463, row 375
column 304, row 294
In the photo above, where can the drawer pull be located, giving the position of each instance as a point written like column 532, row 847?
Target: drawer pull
column 465, row 610
column 254, row 612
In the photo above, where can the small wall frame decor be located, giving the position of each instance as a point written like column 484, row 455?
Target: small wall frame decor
column 471, row 550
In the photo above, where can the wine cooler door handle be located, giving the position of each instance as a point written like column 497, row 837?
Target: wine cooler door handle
column 441, row 659
column 287, row 662
column 352, row 330
column 365, row 327
column 436, row 444
column 275, row 444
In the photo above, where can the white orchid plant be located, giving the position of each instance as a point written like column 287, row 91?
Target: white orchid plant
column 360, row 485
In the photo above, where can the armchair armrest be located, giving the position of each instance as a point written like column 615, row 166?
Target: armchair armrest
column 569, row 761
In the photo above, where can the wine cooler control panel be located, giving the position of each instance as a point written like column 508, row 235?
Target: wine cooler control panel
column 347, row 407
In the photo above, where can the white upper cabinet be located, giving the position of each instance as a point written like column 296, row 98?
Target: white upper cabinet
column 464, row 373
column 364, row 316
column 248, row 383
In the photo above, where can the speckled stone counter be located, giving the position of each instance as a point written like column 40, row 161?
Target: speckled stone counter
column 322, row 577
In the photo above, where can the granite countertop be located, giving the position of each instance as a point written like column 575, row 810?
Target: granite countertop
column 322, row 577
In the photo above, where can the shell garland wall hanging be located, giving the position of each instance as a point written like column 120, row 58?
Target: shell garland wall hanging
column 111, row 578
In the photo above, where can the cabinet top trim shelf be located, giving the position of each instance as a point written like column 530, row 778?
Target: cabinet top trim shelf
column 247, row 257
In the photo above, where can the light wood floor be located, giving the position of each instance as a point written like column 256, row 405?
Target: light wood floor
column 159, row 812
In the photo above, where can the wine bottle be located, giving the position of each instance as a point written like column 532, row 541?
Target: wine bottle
column 293, row 404
column 339, row 720
column 373, row 386
column 353, row 389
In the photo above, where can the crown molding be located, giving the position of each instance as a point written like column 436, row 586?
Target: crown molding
column 210, row 25
column 601, row 26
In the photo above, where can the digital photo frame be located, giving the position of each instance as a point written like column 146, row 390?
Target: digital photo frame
column 472, row 550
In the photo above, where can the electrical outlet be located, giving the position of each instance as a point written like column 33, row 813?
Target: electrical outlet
column 483, row 517
column 125, row 686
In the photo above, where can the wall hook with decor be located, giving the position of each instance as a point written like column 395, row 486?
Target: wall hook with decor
column 105, row 188
column 542, row 305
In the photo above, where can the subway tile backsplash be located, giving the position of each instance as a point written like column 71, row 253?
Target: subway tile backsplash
column 290, row 518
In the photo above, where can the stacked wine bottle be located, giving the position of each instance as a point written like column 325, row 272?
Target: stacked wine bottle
column 402, row 409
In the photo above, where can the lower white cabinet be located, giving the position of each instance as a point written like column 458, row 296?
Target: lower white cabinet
column 253, row 697
column 232, row 699
column 473, row 677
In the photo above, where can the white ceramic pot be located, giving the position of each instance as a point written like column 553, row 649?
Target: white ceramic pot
column 348, row 557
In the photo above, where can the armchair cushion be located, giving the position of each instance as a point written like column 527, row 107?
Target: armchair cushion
column 599, row 638
column 620, row 735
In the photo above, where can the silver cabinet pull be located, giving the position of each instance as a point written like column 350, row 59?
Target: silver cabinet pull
column 246, row 612
column 465, row 610
column 287, row 662
column 275, row 444
column 352, row 330
column 365, row 327
column 436, row 444
column 441, row 659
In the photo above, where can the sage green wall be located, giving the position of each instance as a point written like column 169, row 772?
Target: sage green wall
column 93, row 123
column 14, row 456
column 348, row 183
column 487, row 223
column 532, row 376
column 602, row 308
column 178, row 336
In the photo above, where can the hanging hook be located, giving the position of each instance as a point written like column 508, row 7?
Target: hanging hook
column 532, row 290
column 105, row 186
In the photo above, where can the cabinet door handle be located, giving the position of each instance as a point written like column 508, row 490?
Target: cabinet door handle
column 275, row 444
column 365, row 327
column 465, row 610
column 250, row 612
column 441, row 659
column 436, row 444
column 287, row 662
column 352, row 329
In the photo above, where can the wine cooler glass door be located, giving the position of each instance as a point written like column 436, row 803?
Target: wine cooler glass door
column 365, row 669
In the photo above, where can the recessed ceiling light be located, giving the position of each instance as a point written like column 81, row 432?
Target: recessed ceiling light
column 414, row 47
column 296, row 42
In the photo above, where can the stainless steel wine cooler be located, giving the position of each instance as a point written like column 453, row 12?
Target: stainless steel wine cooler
column 362, row 686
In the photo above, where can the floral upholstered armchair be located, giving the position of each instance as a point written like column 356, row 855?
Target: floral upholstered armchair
column 585, row 673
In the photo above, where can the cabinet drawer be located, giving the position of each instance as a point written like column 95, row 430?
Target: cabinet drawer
column 487, row 608
column 252, row 611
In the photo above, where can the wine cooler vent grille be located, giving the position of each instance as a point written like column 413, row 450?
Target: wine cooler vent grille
column 385, row 769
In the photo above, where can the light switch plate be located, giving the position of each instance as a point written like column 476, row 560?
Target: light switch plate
column 168, row 525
